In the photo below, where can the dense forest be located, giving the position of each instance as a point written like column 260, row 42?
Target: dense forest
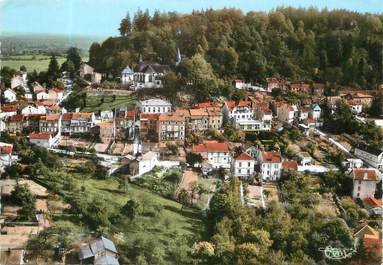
column 340, row 48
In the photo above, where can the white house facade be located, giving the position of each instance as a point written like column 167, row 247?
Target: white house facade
column 243, row 166
column 154, row 106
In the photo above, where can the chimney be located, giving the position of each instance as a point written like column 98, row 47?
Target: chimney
column 365, row 176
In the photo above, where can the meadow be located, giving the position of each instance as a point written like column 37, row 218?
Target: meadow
column 31, row 62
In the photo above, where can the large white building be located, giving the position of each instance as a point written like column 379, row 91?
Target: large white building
column 364, row 180
column 214, row 153
column 243, row 165
column 242, row 115
column 154, row 105
column 147, row 76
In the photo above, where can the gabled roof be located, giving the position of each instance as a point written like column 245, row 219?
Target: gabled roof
column 101, row 244
column 271, row 157
column 154, row 68
column 10, row 90
column 127, row 70
column 290, row 165
column 211, row 146
column 366, row 230
column 243, row 156
column 366, row 174
column 372, row 202
column 232, row 104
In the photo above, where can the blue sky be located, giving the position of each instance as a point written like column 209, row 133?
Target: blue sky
column 101, row 17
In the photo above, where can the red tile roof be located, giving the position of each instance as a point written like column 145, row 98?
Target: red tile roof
column 211, row 146
column 57, row 89
column 198, row 112
column 17, row 117
column 271, row 157
column 77, row 116
column 290, row 165
column 42, row 136
column 171, row 116
column 130, row 115
column 367, row 174
column 372, row 202
column 9, row 108
column 372, row 244
column 149, row 116
column 354, row 102
column 6, row 149
column 232, row 104
column 208, row 104
column 243, row 156
column 50, row 117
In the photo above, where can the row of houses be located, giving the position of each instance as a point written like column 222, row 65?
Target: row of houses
column 20, row 82
column 268, row 164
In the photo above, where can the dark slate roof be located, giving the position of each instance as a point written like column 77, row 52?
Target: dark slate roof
column 85, row 252
column 101, row 244
column 153, row 68
column 106, row 260
column 373, row 151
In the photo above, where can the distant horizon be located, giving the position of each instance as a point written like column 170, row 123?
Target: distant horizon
column 11, row 34
column 85, row 18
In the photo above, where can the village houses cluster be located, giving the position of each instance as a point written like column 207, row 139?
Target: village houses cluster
column 154, row 123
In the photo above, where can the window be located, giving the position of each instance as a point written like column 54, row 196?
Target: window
column 357, row 195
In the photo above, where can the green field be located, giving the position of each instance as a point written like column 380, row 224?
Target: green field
column 164, row 223
column 94, row 103
column 31, row 62
column 186, row 222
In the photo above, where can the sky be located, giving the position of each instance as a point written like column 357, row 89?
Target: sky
column 102, row 17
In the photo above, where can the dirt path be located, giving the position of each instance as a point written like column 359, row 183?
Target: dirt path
column 188, row 178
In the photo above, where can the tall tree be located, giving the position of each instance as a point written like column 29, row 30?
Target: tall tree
column 125, row 25
column 53, row 69
column 74, row 56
